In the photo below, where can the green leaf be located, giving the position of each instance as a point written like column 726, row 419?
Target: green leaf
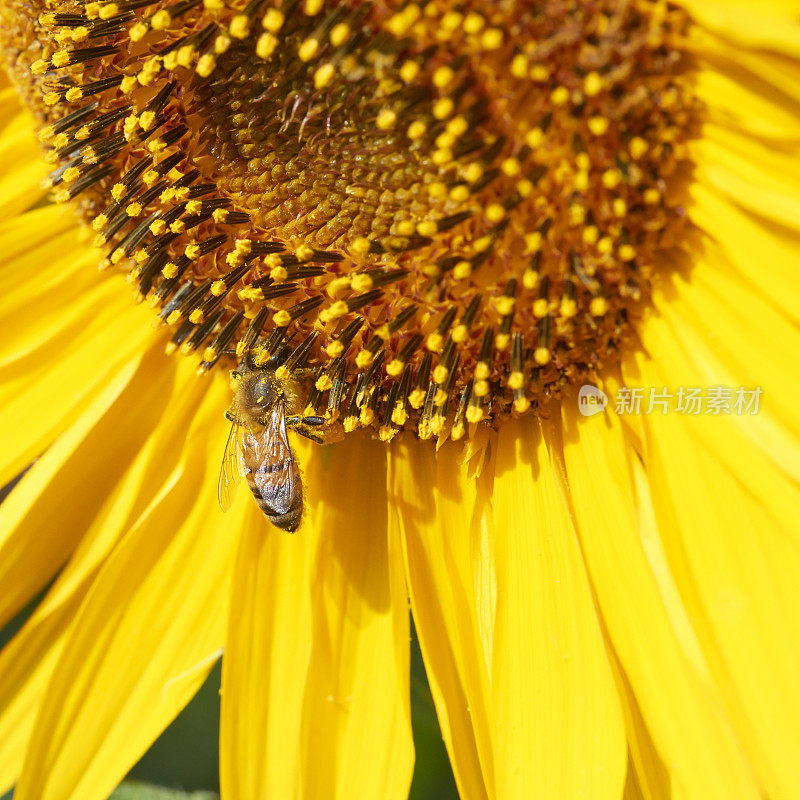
column 134, row 790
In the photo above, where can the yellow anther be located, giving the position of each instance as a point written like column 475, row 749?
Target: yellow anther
column 592, row 84
column 324, row 75
column 361, row 283
column 620, row 207
column 519, row 66
column 399, row 24
column 394, row 367
column 205, row 65
column 652, row 196
column 504, row 305
column 161, row 20
column 492, row 38
column 473, row 23
column 637, row 147
column 627, row 252
column 459, row 193
column 495, row 212
column 334, row 311
column 308, row 49
column 313, row 7
column 427, row 227
column 437, row 189
column 281, row 318
column 450, row 21
column 51, row 98
column 99, row 222
column 61, row 58
column 445, row 139
column 416, row 130
column 521, row 404
column 386, row 119
column 530, row 278
column 605, row 246
column 462, row 270
column 409, row 71
column 138, row 31
column 598, row 125
column 278, row 274
column 568, row 307
column 559, row 96
column 516, row 380
column 460, row 333
column 598, row 307
column 541, row 355
column 540, row 307
column 590, row 234
column 484, row 243
column 265, row 46
column 339, row 34
column 221, row 44
column 157, row 227
column 442, row 156
column 576, row 214
column 474, row 414
column 360, row 246
column 511, row 167
column 534, row 137
column 240, row 26
column 70, row 174
column 364, row 359
column 109, row 10
column 442, row 76
column 611, row 178
column 443, row 108
column 219, row 215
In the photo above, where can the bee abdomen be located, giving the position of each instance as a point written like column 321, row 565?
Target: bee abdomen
column 290, row 521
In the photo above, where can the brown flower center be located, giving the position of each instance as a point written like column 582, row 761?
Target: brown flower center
column 450, row 210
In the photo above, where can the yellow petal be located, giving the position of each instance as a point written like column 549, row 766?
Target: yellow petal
column 46, row 394
column 737, row 573
column 21, row 166
column 661, row 661
column 27, row 662
column 82, row 463
column 714, row 332
column 766, row 256
column 760, row 178
column 441, row 514
column 558, row 724
column 771, row 25
column 147, row 633
column 315, row 676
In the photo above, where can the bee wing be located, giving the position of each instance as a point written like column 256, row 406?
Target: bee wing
column 276, row 475
column 232, row 468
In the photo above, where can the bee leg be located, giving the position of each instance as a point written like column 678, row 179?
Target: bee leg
column 315, row 421
column 308, row 433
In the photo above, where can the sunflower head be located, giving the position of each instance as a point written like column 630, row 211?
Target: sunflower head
column 451, row 211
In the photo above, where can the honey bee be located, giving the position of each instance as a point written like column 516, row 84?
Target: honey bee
column 264, row 409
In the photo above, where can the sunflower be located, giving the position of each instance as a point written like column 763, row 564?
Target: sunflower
column 455, row 225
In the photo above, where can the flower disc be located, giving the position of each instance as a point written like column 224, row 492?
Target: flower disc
column 451, row 211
